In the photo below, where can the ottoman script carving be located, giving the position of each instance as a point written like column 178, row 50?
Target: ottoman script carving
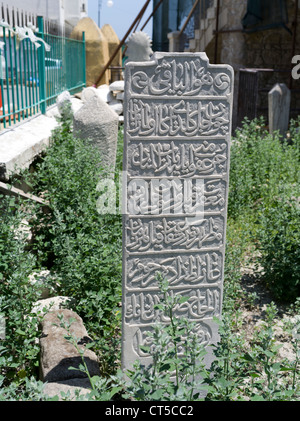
column 176, row 161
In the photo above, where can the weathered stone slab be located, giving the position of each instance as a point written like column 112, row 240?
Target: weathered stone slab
column 64, row 104
column 58, row 354
column 279, row 99
column 96, row 121
column 23, row 142
column 177, row 115
column 45, row 305
column 117, row 86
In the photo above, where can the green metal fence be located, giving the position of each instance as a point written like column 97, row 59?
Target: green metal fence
column 34, row 72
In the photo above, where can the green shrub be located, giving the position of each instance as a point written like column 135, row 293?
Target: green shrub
column 84, row 251
column 18, row 349
column 82, row 247
column 264, row 176
column 279, row 241
column 260, row 164
column 238, row 371
column 178, row 369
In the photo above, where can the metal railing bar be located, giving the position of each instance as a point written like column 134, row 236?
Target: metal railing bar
column 6, row 75
column 23, row 94
column 21, row 80
column 3, row 103
column 25, row 78
column 37, row 79
column 17, row 76
column 2, row 89
column 11, row 75
column 30, row 77
column 188, row 18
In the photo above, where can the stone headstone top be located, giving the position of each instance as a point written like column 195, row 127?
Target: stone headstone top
column 279, row 99
column 98, row 123
column 139, row 47
column 177, row 128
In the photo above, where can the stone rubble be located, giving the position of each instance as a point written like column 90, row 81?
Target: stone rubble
column 58, row 355
column 113, row 95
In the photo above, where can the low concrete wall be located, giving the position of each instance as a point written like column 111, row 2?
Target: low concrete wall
column 23, row 142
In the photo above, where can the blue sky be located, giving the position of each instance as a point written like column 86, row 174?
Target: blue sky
column 121, row 15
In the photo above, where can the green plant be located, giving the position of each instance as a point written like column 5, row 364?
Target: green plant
column 227, row 372
column 82, row 247
column 295, row 365
column 19, row 350
column 83, row 250
column 29, row 389
column 101, row 388
column 279, row 240
column 264, row 366
column 236, row 246
column 264, row 197
column 259, row 164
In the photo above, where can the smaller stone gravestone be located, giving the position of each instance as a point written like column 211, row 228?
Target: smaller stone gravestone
column 96, row 121
column 139, row 47
column 279, row 99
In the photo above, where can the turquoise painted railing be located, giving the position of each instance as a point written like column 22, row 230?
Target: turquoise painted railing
column 34, row 69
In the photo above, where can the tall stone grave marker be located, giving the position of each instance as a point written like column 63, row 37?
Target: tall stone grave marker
column 177, row 130
column 279, row 99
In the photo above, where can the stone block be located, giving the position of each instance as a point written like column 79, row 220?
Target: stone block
column 139, row 47
column 177, row 131
column 118, row 85
column 45, row 305
column 88, row 93
column 104, row 93
column 23, row 142
column 116, row 106
column 120, row 96
column 97, row 122
column 279, row 99
column 58, row 354
column 64, row 104
column 40, row 282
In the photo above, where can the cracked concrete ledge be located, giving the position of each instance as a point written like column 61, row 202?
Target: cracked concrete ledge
column 23, row 142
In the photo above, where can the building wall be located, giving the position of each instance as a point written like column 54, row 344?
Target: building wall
column 64, row 13
column 168, row 18
column 267, row 49
column 74, row 10
column 50, row 9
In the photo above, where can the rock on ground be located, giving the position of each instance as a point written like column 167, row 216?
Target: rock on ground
column 50, row 304
column 118, row 85
column 58, row 354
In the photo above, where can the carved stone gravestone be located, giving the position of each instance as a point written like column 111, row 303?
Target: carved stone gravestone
column 177, row 130
column 279, row 99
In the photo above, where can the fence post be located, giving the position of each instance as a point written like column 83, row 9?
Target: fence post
column 84, row 58
column 42, row 69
